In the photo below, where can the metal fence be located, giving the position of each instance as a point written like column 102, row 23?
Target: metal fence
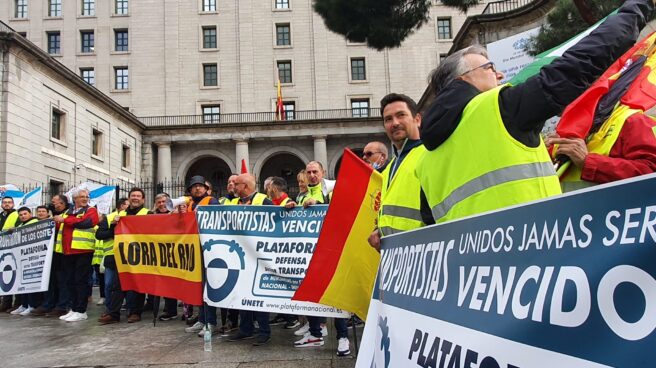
column 497, row 7
column 174, row 188
column 258, row 117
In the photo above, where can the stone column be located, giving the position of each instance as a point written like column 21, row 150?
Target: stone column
column 163, row 161
column 241, row 153
column 320, row 151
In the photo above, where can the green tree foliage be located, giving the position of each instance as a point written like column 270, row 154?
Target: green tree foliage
column 565, row 22
column 379, row 23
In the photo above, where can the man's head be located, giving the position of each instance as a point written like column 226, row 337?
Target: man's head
column 197, row 187
column 231, row 184
column 7, row 203
column 375, row 154
column 267, row 182
column 123, row 204
column 42, row 212
column 81, row 198
column 400, row 118
column 277, row 186
column 59, row 202
column 136, row 197
column 302, row 179
column 314, row 171
column 160, row 202
column 244, row 185
column 469, row 64
column 24, row 214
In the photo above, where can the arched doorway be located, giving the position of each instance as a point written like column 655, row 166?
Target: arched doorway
column 358, row 152
column 284, row 165
column 215, row 170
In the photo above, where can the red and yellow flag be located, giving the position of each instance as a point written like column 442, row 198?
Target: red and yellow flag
column 160, row 255
column 343, row 268
column 280, row 106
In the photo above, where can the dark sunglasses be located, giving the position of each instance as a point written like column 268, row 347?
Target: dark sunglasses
column 368, row 154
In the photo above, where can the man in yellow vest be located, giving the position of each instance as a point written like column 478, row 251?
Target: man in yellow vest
column 376, row 154
column 114, row 293
column 230, row 197
column 277, row 191
column 245, row 190
column 484, row 146
column 76, row 239
column 8, row 220
column 623, row 147
column 400, row 195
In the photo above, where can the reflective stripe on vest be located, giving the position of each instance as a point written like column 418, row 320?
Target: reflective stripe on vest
column 83, row 239
column 400, row 197
column 481, row 167
column 600, row 143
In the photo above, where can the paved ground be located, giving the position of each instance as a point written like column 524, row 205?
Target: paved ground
column 49, row 342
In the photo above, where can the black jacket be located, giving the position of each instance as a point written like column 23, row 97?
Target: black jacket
column 525, row 107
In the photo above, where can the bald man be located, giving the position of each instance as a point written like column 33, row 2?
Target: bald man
column 375, row 154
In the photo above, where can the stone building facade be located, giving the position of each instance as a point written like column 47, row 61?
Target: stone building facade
column 201, row 76
column 56, row 129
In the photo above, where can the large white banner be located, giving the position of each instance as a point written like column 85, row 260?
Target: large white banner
column 564, row 282
column 508, row 54
column 256, row 257
column 25, row 258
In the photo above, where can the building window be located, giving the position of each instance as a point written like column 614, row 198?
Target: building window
column 120, row 40
column 209, row 5
column 54, row 42
column 285, row 71
column 358, row 69
column 96, row 142
column 360, row 107
column 56, row 187
column 21, row 9
column 211, row 114
column 89, row 7
column 283, row 35
column 54, row 8
column 125, row 157
column 290, row 107
column 121, row 7
column 282, row 4
column 210, row 75
column 87, row 41
column 444, row 28
column 209, row 37
column 88, row 75
column 121, row 77
column 57, row 124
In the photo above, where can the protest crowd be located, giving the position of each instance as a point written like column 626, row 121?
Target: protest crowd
column 477, row 148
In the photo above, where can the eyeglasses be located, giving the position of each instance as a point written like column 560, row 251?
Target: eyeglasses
column 487, row 66
column 369, row 153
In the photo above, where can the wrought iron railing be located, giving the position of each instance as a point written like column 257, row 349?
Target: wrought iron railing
column 258, row 117
column 504, row 6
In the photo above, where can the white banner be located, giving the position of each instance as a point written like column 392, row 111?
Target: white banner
column 100, row 196
column 256, row 257
column 25, row 258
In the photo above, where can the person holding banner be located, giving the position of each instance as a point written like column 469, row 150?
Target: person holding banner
column 76, row 240
column 136, row 200
column 400, row 208
column 245, row 190
column 484, row 143
column 317, row 325
column 28, row 301
column 8, row 220
column 57, row 299
column 198, row 189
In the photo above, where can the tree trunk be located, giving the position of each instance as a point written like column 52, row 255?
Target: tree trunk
column 585, row 10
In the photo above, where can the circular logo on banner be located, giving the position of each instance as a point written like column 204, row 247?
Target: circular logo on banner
column 8, row 269
column 384, row 344
column 226, row 263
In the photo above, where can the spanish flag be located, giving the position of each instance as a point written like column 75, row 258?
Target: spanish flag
column 160, row 255
column 343, row 268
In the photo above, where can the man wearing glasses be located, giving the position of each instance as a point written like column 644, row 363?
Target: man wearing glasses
column 375, row 154
column 484, row 145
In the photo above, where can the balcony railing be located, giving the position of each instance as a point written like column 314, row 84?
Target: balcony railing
column 258, row 117
column 504, row 6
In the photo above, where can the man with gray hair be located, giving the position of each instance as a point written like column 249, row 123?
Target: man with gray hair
column 484, row 146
